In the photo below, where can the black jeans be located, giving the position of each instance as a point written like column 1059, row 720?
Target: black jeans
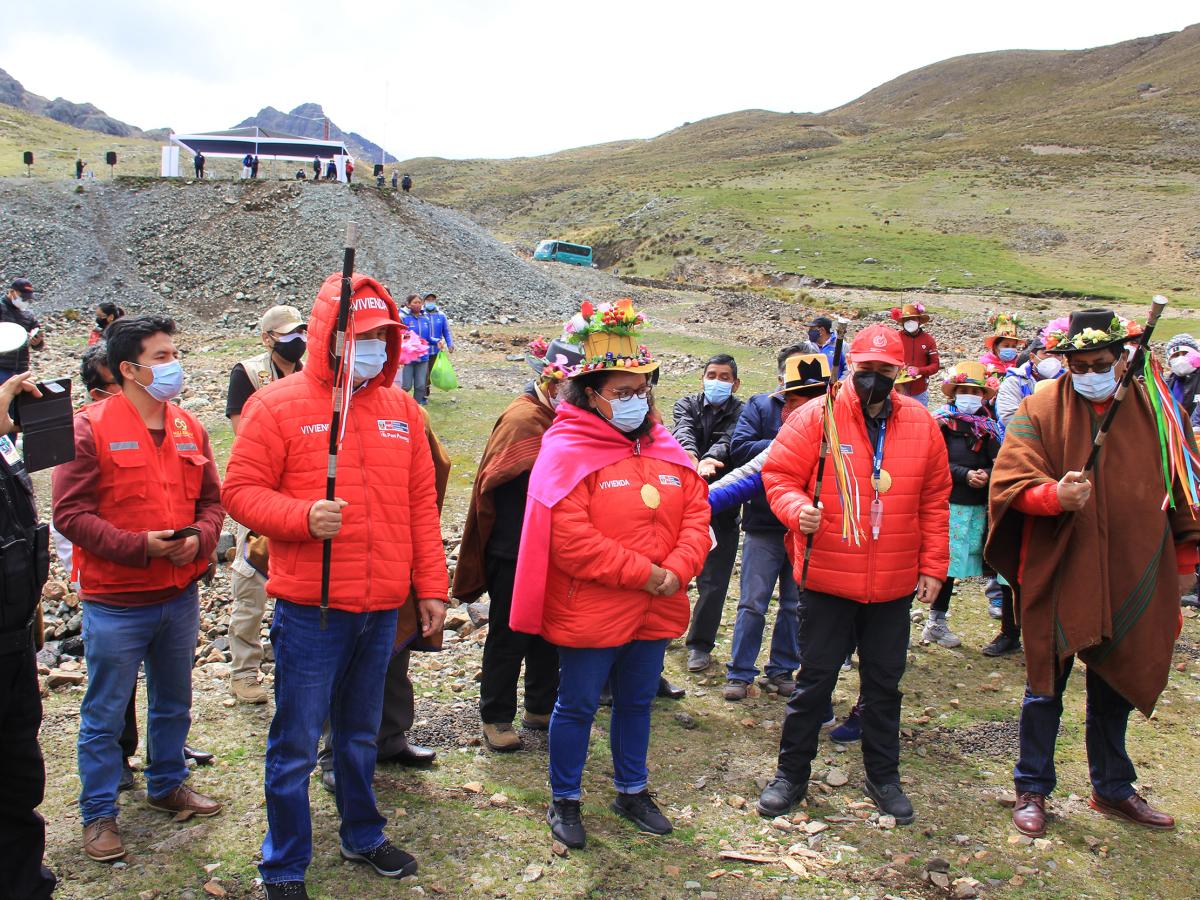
column 831, row 626
column 503, row 652
column 942, row 602
column 713, row 583
column 22, row 781
column 1008, row 616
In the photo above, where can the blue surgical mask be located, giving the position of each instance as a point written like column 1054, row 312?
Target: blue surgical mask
column 1008, row 354
column 168, row 380
column 628, row 415
column 369, row 359
column 814, row 335
column 717, row 392
column 1095, row 386
column 968, row 403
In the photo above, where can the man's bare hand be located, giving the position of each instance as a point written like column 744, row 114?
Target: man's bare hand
column 810, row 519
column 709, row 467
column 325, row 518
column 184, row 552
column 655, row 581
column 669, row 586
column 928, row 588
column 157, row 545
column 1074, row 491
column 432, row 615
column 22, row 382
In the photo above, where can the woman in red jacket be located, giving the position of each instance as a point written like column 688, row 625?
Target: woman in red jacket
column 616, row 526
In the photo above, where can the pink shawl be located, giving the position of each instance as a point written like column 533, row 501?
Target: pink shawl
column 576, row 445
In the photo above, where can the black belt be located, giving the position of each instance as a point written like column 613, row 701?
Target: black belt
column 17, row 641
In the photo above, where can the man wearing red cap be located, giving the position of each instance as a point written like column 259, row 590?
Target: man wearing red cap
column 386, row 541
column 884, row 537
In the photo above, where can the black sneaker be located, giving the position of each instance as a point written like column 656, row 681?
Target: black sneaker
column 642, row 812
column 329, row 781
column 779, row 796
column 126, row 783
column 566, row 824
column 286, row 890
column 388, row 861
column 1002, row 645
column 891, row 800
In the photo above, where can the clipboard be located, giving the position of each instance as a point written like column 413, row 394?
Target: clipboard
column 48, row 425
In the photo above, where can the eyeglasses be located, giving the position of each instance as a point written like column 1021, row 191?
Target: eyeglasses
column 1082, row 368
column 629, row 393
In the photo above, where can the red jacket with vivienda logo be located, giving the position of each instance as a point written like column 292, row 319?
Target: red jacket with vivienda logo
column 603, row 540
column 914, row 536
column 142, row 487
column 391, row 536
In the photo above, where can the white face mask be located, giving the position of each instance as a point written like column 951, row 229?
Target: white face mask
column 968, row 403
column 912, row 326
column 1049, row 367
column 1180, row 365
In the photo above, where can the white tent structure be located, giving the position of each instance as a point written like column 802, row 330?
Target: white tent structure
column 237, row 142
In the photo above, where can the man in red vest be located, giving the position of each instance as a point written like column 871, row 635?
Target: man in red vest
column 141, row 502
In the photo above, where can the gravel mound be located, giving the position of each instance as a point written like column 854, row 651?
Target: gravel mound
column 207, row 248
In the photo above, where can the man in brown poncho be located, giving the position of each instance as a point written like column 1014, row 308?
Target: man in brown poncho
column 1098, row 564
column 487, row 559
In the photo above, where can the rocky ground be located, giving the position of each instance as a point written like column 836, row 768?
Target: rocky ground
column 475, row 820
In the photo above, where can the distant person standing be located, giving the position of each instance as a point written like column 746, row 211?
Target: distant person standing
column 254, row 167
column 247, row 163
column 439, row 335
column 395, row 180
column 78, row 169
column 16, row 308
column 106, row 313
column 920, row 352
column 198, row 162
column 331, row 171
column 380, row 181
column 415, row 377
column 349, row 170
column 406, row 183
column 316, row 168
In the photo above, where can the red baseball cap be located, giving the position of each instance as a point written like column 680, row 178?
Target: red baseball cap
column 878, row 343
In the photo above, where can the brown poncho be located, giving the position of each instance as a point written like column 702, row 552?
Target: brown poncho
column 1101, row 583
column 510, row 452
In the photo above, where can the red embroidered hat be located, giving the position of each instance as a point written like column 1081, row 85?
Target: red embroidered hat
column 877, row 343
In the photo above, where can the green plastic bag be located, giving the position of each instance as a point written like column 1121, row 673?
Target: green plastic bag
column 442, row 375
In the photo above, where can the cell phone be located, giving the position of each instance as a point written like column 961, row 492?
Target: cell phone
column 190, row 531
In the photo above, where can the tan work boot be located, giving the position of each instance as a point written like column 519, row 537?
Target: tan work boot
column 536, row 721
column 184, row 798
column 102, row 840
column 501, row 738
column 248, row 690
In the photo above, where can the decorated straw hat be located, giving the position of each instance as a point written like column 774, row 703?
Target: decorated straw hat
column 1003, row 325
column 1090, row 329
column 910, row 311
column 806, row 373
column 554, row 359
column 606, row 335
column 970, row 374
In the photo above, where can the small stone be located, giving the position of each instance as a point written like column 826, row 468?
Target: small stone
column 938, row 864
column 532, row 873
column 736, row 801
column 887, row 822
column 673, row 871
column 708, row 895
column 836, row 777
column 965, row 888
column 61, row 678
column 691, row 885
column 214, row 889
column 941, row 879
column 558, row 848
column 812, row 828
column 473, row 787
column 1043, row 844
column 498, row 800
column 229, row 703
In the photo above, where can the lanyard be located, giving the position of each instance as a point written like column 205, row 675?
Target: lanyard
column 876, row 470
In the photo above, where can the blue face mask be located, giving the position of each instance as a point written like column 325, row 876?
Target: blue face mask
column 168, row 380
column 1008, row 354
column 369, row 359
column 717, row 392
column 1095, row 386
column 814, row 336
column 968, row 403
column 628, row 415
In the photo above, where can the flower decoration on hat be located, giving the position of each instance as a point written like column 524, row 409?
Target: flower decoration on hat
column 606, row 334
column 1060, row 339
column 910, row 311
column 538, row 347
column 558, row 370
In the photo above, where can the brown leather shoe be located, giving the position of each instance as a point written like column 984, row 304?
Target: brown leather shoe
column 1029, row 813
column 102, row 840
column 184, row 798
column 1133, row 809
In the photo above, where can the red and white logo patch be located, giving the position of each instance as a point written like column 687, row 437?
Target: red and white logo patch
column 395, row 429
column 880, row 340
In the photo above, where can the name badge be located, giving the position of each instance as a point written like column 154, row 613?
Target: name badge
column 846, row 448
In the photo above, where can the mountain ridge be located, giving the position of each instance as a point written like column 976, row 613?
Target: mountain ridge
column 307, row 120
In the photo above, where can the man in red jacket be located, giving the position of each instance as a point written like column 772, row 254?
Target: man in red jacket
column 920, row 352
column 860, row 589
column 386, row 540
column 141, row 503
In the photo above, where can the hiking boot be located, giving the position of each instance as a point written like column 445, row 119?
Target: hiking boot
column 566, row 824
column 779, row 796
column 184, row 798
column 735, row 690
column 501, row 737
column 286, row 890
column 126, row 783
column 938, row 632
column 388, row 861
column 642, row 811
column 605, row 695
column 1002, row 645
column 996, row 608
column 102, row 840
column 329, row 781
column 698, row 660
column 248, row 690
column 891, row 800
column 783, row 685
column 849, row 731
column 536, row 721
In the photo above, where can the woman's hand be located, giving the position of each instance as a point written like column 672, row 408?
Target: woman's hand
column 654, row 583
column 669, row 586
column 977, row 478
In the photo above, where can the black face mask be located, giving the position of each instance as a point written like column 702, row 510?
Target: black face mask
column 291, row 350
column 872, row 387
column 814, row 335
column 101, row 322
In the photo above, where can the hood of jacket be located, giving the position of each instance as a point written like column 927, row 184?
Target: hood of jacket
column 365, row 291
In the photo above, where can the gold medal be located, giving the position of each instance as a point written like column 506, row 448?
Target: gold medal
column 651, row 496
column 883, row 483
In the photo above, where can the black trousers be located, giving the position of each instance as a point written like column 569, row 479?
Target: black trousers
column 22, row 781
column 399, row 711
column 942, row 602
column 830, row 627
column 505, row 649
column 129, row 734
column 713, row 583
column 1008, row 616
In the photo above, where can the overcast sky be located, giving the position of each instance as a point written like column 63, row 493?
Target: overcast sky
column 468, row 78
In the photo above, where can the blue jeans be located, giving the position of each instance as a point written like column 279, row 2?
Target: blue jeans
column 116, row 640
column 415, row 377
column 632, row 671
column 765, row 563
column 1111, row 770
column 337, row 674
